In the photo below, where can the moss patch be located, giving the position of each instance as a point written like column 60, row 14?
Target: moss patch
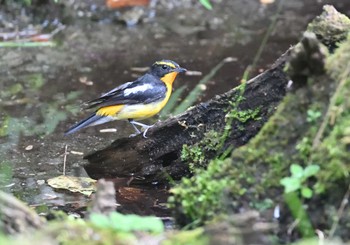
column 254, row 171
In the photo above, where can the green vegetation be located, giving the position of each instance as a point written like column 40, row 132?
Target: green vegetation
column 310, row 126
column 297, row 181
column 173, row 101
column 195, row 154
column 312, row 116
column 6, row 172
column 201, row 196
column 206, row 4
column 114, row 228
column 127, row 223
column 189, row 237
column 292, row 185
column 193, row 96
column 299, row 213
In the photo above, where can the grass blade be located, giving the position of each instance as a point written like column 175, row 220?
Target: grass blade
column 196, row 92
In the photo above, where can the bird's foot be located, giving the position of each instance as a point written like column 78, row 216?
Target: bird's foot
column 146, row 129
column 133, row 135
column 144, row 126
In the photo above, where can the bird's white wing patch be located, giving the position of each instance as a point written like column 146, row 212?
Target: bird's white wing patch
column 137, row 89
column 121, row 87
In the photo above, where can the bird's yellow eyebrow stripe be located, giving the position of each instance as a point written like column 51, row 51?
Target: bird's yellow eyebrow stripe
column 166, row 63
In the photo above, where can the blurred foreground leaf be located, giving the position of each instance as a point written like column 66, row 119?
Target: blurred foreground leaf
column 206, row 4
column 127, row 223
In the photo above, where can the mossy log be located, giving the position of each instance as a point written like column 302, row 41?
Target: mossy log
column 250, row 105
column 228, row 120
column 310, row 127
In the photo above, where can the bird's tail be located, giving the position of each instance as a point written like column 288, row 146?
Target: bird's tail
column 90, row 121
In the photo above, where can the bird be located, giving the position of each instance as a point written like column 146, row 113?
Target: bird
column 139, row 99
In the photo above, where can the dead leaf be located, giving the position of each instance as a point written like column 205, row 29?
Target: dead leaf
column 29, row 147
column 82, row 185
column 84, row 80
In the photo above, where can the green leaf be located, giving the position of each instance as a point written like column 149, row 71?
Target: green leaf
column 290, row 184
column 296, row 170
column 100, row 220
column 35, row 81
column 206, row 4
column 16, row 88
column 311, row 170
column 127, row 223
column 306, row 192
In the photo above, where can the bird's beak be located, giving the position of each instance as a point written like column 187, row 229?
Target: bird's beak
column 180, row 70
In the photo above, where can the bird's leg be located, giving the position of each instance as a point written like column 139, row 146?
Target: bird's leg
column 131, row 121
column 145, row 126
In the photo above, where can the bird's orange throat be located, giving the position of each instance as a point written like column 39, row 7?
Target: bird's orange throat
column 169, row 78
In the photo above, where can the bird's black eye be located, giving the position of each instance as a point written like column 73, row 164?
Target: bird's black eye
column 164, row 67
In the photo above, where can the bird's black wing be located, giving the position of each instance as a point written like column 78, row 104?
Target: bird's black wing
column 145, row 89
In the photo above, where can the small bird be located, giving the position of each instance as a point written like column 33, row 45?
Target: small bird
column 139, row 99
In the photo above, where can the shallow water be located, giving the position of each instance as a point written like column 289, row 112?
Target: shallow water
column 41, row 88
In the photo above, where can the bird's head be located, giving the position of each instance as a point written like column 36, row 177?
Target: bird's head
column 166, row 67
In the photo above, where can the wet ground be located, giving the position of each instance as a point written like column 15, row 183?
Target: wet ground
column 42, row 88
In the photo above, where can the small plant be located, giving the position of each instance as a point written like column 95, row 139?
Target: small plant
column 297, row 181
column 313, row 115
column 294, row 183
column 304, row 148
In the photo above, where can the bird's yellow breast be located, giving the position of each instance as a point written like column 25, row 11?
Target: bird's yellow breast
column 140, row 111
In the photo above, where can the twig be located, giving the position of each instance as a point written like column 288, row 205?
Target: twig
column 292, row 226
column 263, row 42
column 196, row 91
column 65, row 159
column 340, row 212
column 317, row 140
column 321, row 237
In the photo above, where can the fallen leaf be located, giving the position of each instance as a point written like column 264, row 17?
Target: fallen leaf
column 84, row 80
column 29, row 147
column 77, row 153
column 82, row 185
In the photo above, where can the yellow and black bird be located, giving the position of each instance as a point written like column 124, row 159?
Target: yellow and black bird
column 139, row 99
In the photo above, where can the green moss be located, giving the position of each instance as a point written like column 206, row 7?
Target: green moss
column 333, row 153
column 244, row 116
column 212, row 142
column 191, row 237
column 195, row 154
column 254, row 171
column 200, row 197
column 331, row 26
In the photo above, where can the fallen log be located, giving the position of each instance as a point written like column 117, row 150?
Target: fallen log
column 159, row 156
